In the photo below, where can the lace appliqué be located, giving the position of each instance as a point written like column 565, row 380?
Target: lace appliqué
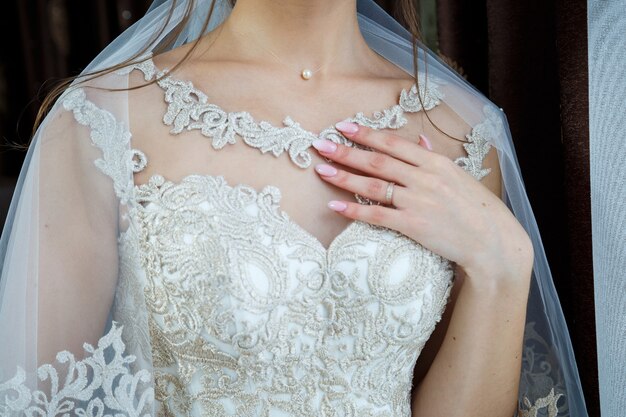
column 478, row 143
column 251, row 315
column 139, row 160
column 100, row 385
column 541, row 381
column 112, row 137
column 549, row 403
column 190, row 109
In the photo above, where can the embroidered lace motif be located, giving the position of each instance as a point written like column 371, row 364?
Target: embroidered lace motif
column 539, row 378
column 478, row 145
column 547, row 403
column 99, row 385
column 332, row 332
column 251, row 315
column 119, row 161
column 190, row 109
column 112, row 137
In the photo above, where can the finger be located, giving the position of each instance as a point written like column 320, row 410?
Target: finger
column 377, row 164
column 425, row 142
column 373, row 214
column 386, row 142
column 372, row 188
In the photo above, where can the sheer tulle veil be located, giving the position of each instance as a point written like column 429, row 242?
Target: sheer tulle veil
column 48, row 295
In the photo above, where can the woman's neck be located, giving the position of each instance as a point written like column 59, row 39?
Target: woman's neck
column 306, row 33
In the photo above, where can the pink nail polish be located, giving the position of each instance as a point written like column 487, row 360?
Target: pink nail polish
column 347, row 127
column 326, row 170
column 337, row 205
column 426, row 142
column 324, row 145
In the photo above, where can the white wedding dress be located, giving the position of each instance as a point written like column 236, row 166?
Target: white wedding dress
column 237, row 309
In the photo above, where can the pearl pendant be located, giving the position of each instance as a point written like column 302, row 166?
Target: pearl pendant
column 306, row 74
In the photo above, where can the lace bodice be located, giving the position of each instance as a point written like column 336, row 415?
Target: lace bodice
column 250, row 314
column 240, row 310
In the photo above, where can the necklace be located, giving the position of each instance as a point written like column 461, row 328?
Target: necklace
column 305, row 73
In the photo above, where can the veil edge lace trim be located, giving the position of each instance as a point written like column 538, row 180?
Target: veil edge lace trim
column 100, row 384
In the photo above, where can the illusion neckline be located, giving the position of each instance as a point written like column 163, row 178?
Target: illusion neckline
column 374, row 115
column 151, row 70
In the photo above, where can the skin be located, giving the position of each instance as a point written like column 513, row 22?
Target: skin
column 471, row 364
column 238, row 74
column 444, row 208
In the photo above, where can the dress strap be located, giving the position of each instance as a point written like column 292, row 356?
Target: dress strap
column 112, row 137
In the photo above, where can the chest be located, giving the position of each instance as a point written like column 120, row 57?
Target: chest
column 221, row 262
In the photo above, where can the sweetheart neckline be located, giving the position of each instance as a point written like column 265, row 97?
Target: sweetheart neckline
column 299, row 229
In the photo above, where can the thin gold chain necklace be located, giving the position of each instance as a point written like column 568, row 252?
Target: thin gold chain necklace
column 305, row 73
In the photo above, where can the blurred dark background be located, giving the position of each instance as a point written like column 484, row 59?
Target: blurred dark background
column 529, row 57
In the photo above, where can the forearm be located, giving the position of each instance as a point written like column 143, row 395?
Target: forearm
column 476, row 370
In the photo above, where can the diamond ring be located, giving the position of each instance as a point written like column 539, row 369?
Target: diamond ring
column 389, row 194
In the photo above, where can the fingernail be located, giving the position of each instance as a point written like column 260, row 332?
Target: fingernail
column 337, row 205
column 326, row 170
column 427, row 144
column 347, row 127
column 324, row 145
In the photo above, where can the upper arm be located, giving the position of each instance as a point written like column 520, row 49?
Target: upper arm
column 454, row 126
column 60, row 338
column 76, row 241
column 493, row 180
column 60, row 263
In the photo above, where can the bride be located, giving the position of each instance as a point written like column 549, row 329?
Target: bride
column 276, row 208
